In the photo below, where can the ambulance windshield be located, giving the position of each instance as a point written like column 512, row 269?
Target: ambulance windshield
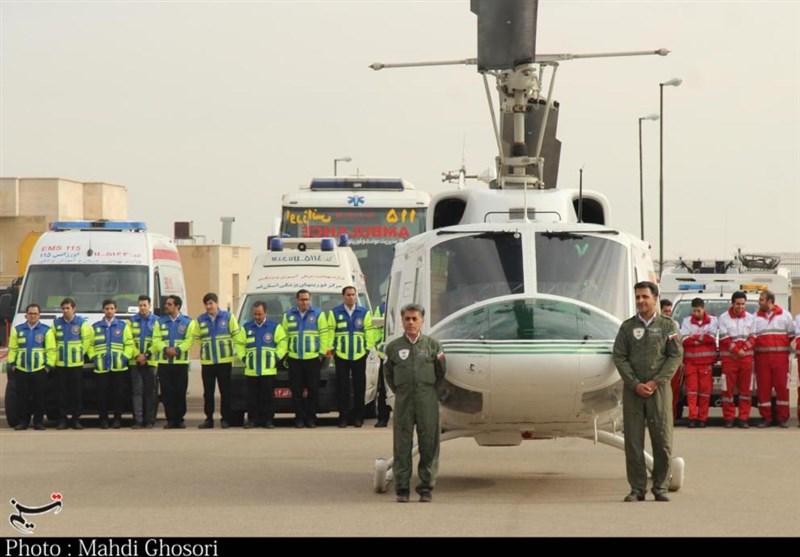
column 279, row 303
column 88, row 285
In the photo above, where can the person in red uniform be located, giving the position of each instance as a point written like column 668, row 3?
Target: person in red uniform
column 797, row 351
column 677, row 379
column 736, row 341
column 774, row 334
column 699, row 334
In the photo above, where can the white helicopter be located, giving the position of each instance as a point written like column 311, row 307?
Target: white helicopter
column 525, row 285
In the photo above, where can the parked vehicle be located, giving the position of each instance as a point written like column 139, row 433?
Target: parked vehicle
column 91, row 261
column 715, row 282
column 323, row 267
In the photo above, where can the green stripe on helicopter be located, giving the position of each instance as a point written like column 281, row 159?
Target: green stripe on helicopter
column 483, row 347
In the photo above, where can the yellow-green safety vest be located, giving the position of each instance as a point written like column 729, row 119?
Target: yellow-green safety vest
column 350, row 335
column 73, row 341
column 112, row 345
column 308, row 334
column 174, row 333
column 142, row 329
column 30, row 349
column 216, row 336
column 261, row 347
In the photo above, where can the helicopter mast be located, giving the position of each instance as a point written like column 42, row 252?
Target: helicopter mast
column 507, row 51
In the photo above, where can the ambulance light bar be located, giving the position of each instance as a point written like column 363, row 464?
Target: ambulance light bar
column 355, row 183
column 692, row 286
column 115, row 225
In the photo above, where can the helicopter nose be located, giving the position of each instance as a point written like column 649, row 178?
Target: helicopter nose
column 532, row 358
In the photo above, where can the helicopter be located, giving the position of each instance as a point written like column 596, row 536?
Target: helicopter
column 525, row 284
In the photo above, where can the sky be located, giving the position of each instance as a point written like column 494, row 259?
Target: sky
column 212, row 109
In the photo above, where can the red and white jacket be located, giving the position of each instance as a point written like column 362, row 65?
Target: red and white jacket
column 774, row 331
column 699, row 340
column 797, row 336
column 737, row 335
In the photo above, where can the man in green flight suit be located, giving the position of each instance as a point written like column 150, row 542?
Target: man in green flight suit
column 414, row 368
column 647, row 352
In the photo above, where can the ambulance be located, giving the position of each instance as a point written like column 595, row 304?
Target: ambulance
column 92, row 261
column 715, row 282
column 323, row 266
column 719, row 279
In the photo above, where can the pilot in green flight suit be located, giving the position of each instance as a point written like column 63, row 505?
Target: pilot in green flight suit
column 647, row 352
column 414, row 368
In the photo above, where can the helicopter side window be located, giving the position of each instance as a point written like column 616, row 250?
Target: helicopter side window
column 469, row 269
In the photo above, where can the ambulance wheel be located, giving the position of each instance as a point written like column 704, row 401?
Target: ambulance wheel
column 678, row 469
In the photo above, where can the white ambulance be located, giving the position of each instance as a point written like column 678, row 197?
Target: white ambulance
column 92, row 261
column 715, row 282
column 721, row 279
column 323, row 266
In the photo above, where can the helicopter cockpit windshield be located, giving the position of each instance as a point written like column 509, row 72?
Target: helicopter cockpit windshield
column 468, row 269
column 587, row 268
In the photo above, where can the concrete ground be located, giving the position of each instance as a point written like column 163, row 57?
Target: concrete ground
column 288, row 482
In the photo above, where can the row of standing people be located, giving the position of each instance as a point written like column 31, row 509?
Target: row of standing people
column 157, row 349
column 120, row 351
column 648, row 350
column 759, row 342
column 345, row 333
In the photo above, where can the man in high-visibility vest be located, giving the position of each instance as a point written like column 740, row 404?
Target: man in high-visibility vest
column 172, row 339
column 143, row 368
column 216, row 331
column 307, row 330
column 260, row 344
column 383, row 410
column 73, row 342
column 351, row 337
column 111, row 349
column 31, row 354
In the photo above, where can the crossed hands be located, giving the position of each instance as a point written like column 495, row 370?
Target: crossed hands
column 646, row 390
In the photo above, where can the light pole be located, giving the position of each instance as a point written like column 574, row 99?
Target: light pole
column 674, row 82
column 580, row 194
column 336, row 161
column 641, row 175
